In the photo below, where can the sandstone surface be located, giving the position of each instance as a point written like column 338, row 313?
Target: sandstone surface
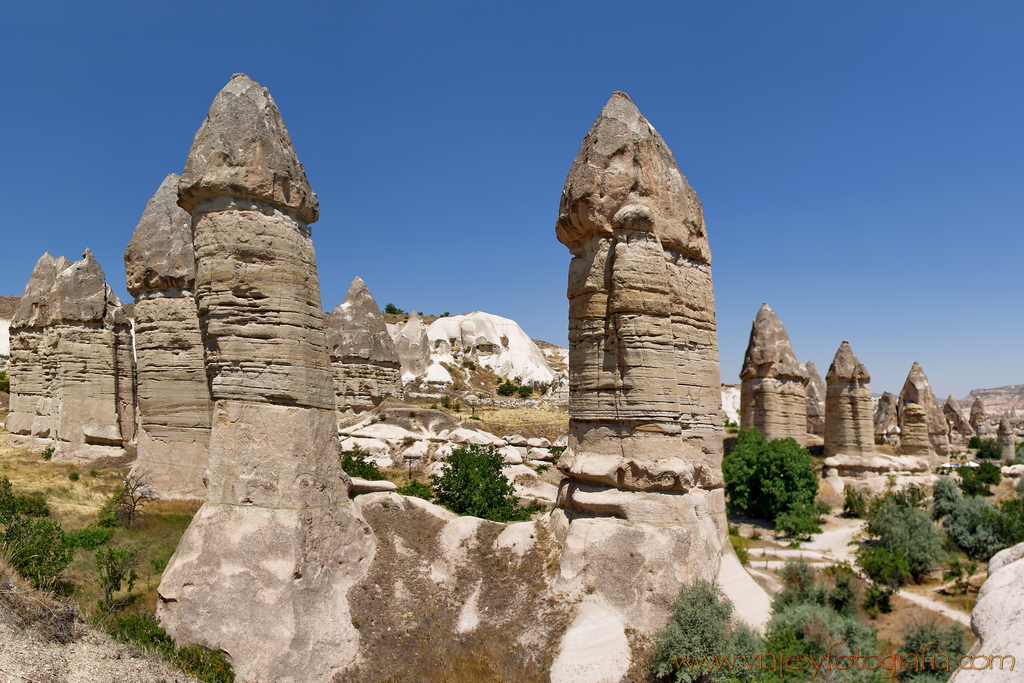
column 264, row 568
column 1007, row 438
column 914, row 434
column 174, row 402
column 363, row 356
column 773, row 396
column 979, row 419
column 815, row 400
column 413, row 347
column 849, row 424
column 918, row 390
column 960, row 430
column 887, row 420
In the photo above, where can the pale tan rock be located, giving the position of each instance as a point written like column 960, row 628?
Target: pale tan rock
column 887, row 419
column 642, row 508
column 849, row 424
column 413, row 347
column 264, row 568
column 815, row 400
column 979, row 419
column 918, row 390
column 914, row 431
column 363, row 356
column 960, row 429
column 1007, row 437
column 773, row 396
column 174, row 401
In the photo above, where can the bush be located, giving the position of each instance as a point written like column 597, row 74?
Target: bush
column 855, row 503
column 48, row 452
column 990, row 449
column 769, row 479
column 393, row 310
column 971, row 484
column 988, row 473
column 701, row 625
column 473, row 484
column 5, row 382
column 945, row 497
column 115, row 567
column 74, row 476
column 124, row 507
column 906, row 531
column 418, row 489
column 355, row 462
column 469, row 364
column 972, row 528
column 90, row 538
column 974, row 442
column 506, row 388
column 37, row 549
column 524, row 390
column 798, row 521
column 195, row 660
column 933, row 637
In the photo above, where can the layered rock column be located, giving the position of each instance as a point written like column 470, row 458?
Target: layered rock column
column 918, row 390
column 979, row 418
column 815, row 400
column 773, row 396
column 914, row 436
column 1007, row 438
column 642, row 508
column 960, row 429
column 263, row 570
column 363, row 357
column 887, row 419
column 174, row 400
column 849, row 424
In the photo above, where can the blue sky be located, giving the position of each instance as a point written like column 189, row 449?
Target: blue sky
column 860, row 164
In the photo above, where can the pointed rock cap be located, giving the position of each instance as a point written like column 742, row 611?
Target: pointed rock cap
column 815, row 385
column 81, row 293
column 953, row 406
column 769, row 353
column 160, row 255
column 978, row 409
column 626, row 177
column 243, row 150
column 34, row 306
column 1004, row 426
column 846, row 368
column 356, row 328
column 917, row 388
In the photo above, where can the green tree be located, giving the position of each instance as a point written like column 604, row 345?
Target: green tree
column 393, row 310
column 472, row 483
column 906, row 531
column 930, row 636
column 990, row 449
column 356, row 463
column 116, row 567
column 767, row 479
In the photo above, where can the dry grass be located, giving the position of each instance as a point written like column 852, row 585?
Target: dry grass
column 892, row 627
column 22, row 607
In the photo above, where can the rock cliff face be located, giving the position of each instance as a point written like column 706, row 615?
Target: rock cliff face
column 998, row 399
column 773, row 396
column 363, row 357
column 960, row 430
column 914, row 431
column 849, row 427
column 887, row 421
column 918, row 390
column 72, row 368
column 1007, row 439
column 263, row 570
column 815, row 400
column 413, row 347
column 642, row 509
column 174, row 401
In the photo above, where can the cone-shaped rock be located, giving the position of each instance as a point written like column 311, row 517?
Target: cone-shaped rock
column 643, row 497
column 174, row 401
column 914, row 431
column 960, row 430
column 887, row 420
column 1007, row 438
column 918, row 390
column 366, row 365
column 773, row 396
column 815, row 400
column 849, row 424
column 263, row 570
column 413, row 347
column 979, row 418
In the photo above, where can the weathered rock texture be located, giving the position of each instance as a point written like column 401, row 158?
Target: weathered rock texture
column 413, row 347
column 887, row 419
column 72, row 368
column 960, row 429
column 849, row 424
column 918, row 390
column 263, row 570
column 979, row 419
column 773, row 396
column 1007, row 438
column 365, row 363
column 815, row 400
column 914, row 431
column 642, row 509
column 174, row 401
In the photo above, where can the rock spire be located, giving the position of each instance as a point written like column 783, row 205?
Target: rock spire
column 979, row 419
column 918, row 390
column 263, row 570
column 849, row 424
column 960, row 429
column 887, row 420
column 773, row 396
column 174, row 401
column 413, row 347
column 815, row 400
column 1007, row 437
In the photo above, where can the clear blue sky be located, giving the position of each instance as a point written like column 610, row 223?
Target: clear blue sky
column 860, row 164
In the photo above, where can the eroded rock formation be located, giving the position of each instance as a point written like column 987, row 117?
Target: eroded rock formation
column 174, row 401
column 918, row 390
column 887, row 419
column 773, row 396
column 363, row 357
column 960, row 429
column 914, row 436
column 413, row 347
column 815, row 400
column 72, row 368
column 849, row 425
column 263, row 570
column 979, row 419
column 1007, row 438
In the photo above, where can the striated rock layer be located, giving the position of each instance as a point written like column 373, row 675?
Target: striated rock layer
column 72, row 368
column 849, row 424
column 815, row 400
column 887, row 420
column 363, row 357
column 1007, row 438
column 642, row 508
column 773, row 396
column 918, row 390
column 960, row 429
column 263, row 570
column 174, row 401
column 914, row 437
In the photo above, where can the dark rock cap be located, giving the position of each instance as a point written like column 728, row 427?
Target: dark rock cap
column 846, row 368
column 160, row 255
column 243, row 150
column 769, row 352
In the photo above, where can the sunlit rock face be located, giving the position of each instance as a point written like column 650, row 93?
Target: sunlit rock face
column 887, row 421
column 917, row 389
column 773, row 396
column 642, row 507
column 960, row 429
column 263, row 570
column 849, row 423
column 1007, row 438
column 174, row 401
column 815, row 400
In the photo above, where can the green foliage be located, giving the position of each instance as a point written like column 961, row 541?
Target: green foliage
column 990, row 449
column 116, row 567
column 418, row 489
column 524, row 390
column 802, row 584
column 124, row 507
column 473, row 484
column 393, row 310
column 729, row 424
column 877, row 599
column 769, row 479
column 446, row 401
column 971, row 484
column 506, row 388
column 905, row 530
column 971, row 525
column 355, row 462
column 988, row 473
column 205, row 664
column 930, row 636
column 945, row 497
column 800, row 521
column 469, row 364
column 195, row 660
column 5, row 382
column 886, row 567
column 855, row 503
column 74, row 476
column 91, row 537
column 557, row 451
column 48, row 452
column 974, row 442
column 1006, row 520
column 37, row 549
column 701, row 625
column 159, row 563
column 960, row 573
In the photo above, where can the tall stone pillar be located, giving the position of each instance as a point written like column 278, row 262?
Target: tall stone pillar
column 174, row 400
column 815, row 400
column 849, row 419
column 960, row 429
column 642, row 509
column 917, row 389
column 263, row 570
column 1007, row 438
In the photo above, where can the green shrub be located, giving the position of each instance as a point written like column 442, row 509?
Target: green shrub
column 990, row 449
column 159, row 563
column 1006, row 520
column 37, row 549
column 48, row 452
column 469, row 364
column 124, row 507
column 929, row 636
column 556, row 451
column 945, row 497
column 506, row 388
column 988, row 473
column 90, row 538
column 906, row 531
column 971, row 484
column 32, row 505
column 855, row 503
column 769, row 479
column 355, row 462
column 5, row 382
column 799, row 521
column 974, row 442
column 972, row 527
column 701, row 625
column 473, row 484
column 960, row 573
column 205, row 664
column 115, row 567
column 418, row 489
column 74, row 476
column 393, row 310
column 524, row 390
column 145, row 633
